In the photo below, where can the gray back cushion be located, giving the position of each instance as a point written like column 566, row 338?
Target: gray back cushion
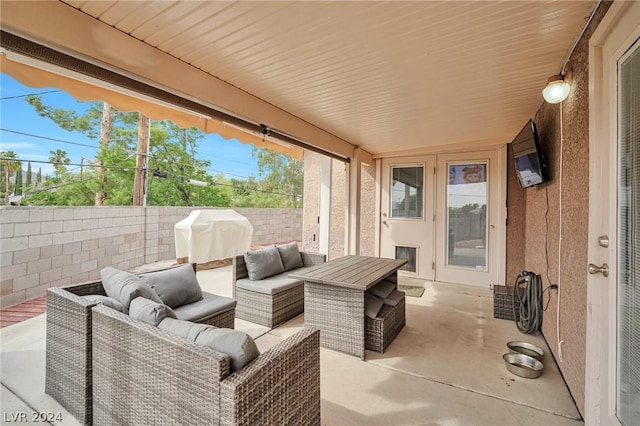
column 187, row 329
column 176, row 286
column 110, row 302
column 290, row 256
column 237, row 344
column 125, row 287
column 263, row 263
column 240, row 347
column 372, row 305
column 149, row 311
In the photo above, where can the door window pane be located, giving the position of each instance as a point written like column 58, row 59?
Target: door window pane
column 407, row 185
column 410, row 254
column 628, row 363
column 467, row 216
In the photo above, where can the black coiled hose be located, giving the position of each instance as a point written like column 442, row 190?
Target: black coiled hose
column 528, row 290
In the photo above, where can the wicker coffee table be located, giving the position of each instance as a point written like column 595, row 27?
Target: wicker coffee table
column 334, row 298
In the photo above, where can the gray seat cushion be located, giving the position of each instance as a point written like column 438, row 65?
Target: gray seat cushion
column 272, row 285
column 290, row 256
column 263, row 263
column 209, row 305
column 110, row 302
column 148, row 311
column 187, row 329
column 125, row 287
column 382, row 289
column 394, row 298
column 175, row 286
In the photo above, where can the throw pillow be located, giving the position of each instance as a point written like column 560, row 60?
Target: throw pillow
column 148, row 311
column 176, row 286
column 125, row 287
column 237, row 344
column 372, row 305
column 382, row 289
column 110, row 302
column 186, row 329
column 290, row 256
column 263, row 263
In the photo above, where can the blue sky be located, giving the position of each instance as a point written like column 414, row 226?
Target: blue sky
column 16, row 115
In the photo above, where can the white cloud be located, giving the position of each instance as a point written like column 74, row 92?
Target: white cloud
column 13, row 146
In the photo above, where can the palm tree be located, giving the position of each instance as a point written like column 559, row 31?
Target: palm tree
column 59, row 158
column 11, row 163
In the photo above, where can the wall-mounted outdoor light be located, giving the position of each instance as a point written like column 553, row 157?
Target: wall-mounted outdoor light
column 556, row 90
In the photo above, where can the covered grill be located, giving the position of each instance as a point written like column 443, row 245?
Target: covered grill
column 212, row 237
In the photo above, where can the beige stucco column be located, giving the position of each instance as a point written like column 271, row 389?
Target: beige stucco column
column 352, row 242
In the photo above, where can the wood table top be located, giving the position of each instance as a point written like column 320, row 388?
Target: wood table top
column 358, row 272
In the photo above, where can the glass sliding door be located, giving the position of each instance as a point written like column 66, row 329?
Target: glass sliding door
column 628, row 285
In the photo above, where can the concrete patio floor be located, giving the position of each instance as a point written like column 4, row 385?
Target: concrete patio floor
column 445, row 367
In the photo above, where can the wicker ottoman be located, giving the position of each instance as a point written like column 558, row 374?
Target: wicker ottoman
column 380, row 332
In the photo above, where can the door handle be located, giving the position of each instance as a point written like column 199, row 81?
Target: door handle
column 595, row 269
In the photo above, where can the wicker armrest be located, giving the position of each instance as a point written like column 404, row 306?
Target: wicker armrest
column 311, row 259
column 145, row 375
column 239, row 271
column 282, row 386
column 68, row 350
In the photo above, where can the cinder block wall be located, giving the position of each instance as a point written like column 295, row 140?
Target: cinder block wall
column 43, row 247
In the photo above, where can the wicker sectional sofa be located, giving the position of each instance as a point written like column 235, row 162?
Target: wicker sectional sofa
column 259, row 304
column 165, row 379
column 69, row 343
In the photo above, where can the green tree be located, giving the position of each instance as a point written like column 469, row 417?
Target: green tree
column 173, row 154
column 39, row 176
column 28, row 180
column 172, row 150
column 10, row 164
column 60, row 159
column 280, row 185
column 2, row 182
column 18, row 183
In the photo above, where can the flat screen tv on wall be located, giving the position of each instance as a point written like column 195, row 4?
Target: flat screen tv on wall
column 527, row 157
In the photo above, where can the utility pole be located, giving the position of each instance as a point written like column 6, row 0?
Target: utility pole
column 105, row 127
column 142, row 153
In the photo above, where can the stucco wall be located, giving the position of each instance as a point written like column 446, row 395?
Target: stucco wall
column 42, row 247
column 528, row 228
column 311, row 229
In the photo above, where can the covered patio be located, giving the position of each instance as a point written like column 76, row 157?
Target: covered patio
column 394, row 104
column 425, row 375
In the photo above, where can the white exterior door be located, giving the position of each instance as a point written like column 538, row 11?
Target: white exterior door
column 613, row 314
column 406, row 210
column 470, row 218
column 446, row 220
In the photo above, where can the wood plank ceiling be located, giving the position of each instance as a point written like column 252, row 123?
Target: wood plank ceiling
column 386, row 76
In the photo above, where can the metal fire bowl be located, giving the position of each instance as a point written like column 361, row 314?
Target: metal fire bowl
column 523, row 365
column 526, row 349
